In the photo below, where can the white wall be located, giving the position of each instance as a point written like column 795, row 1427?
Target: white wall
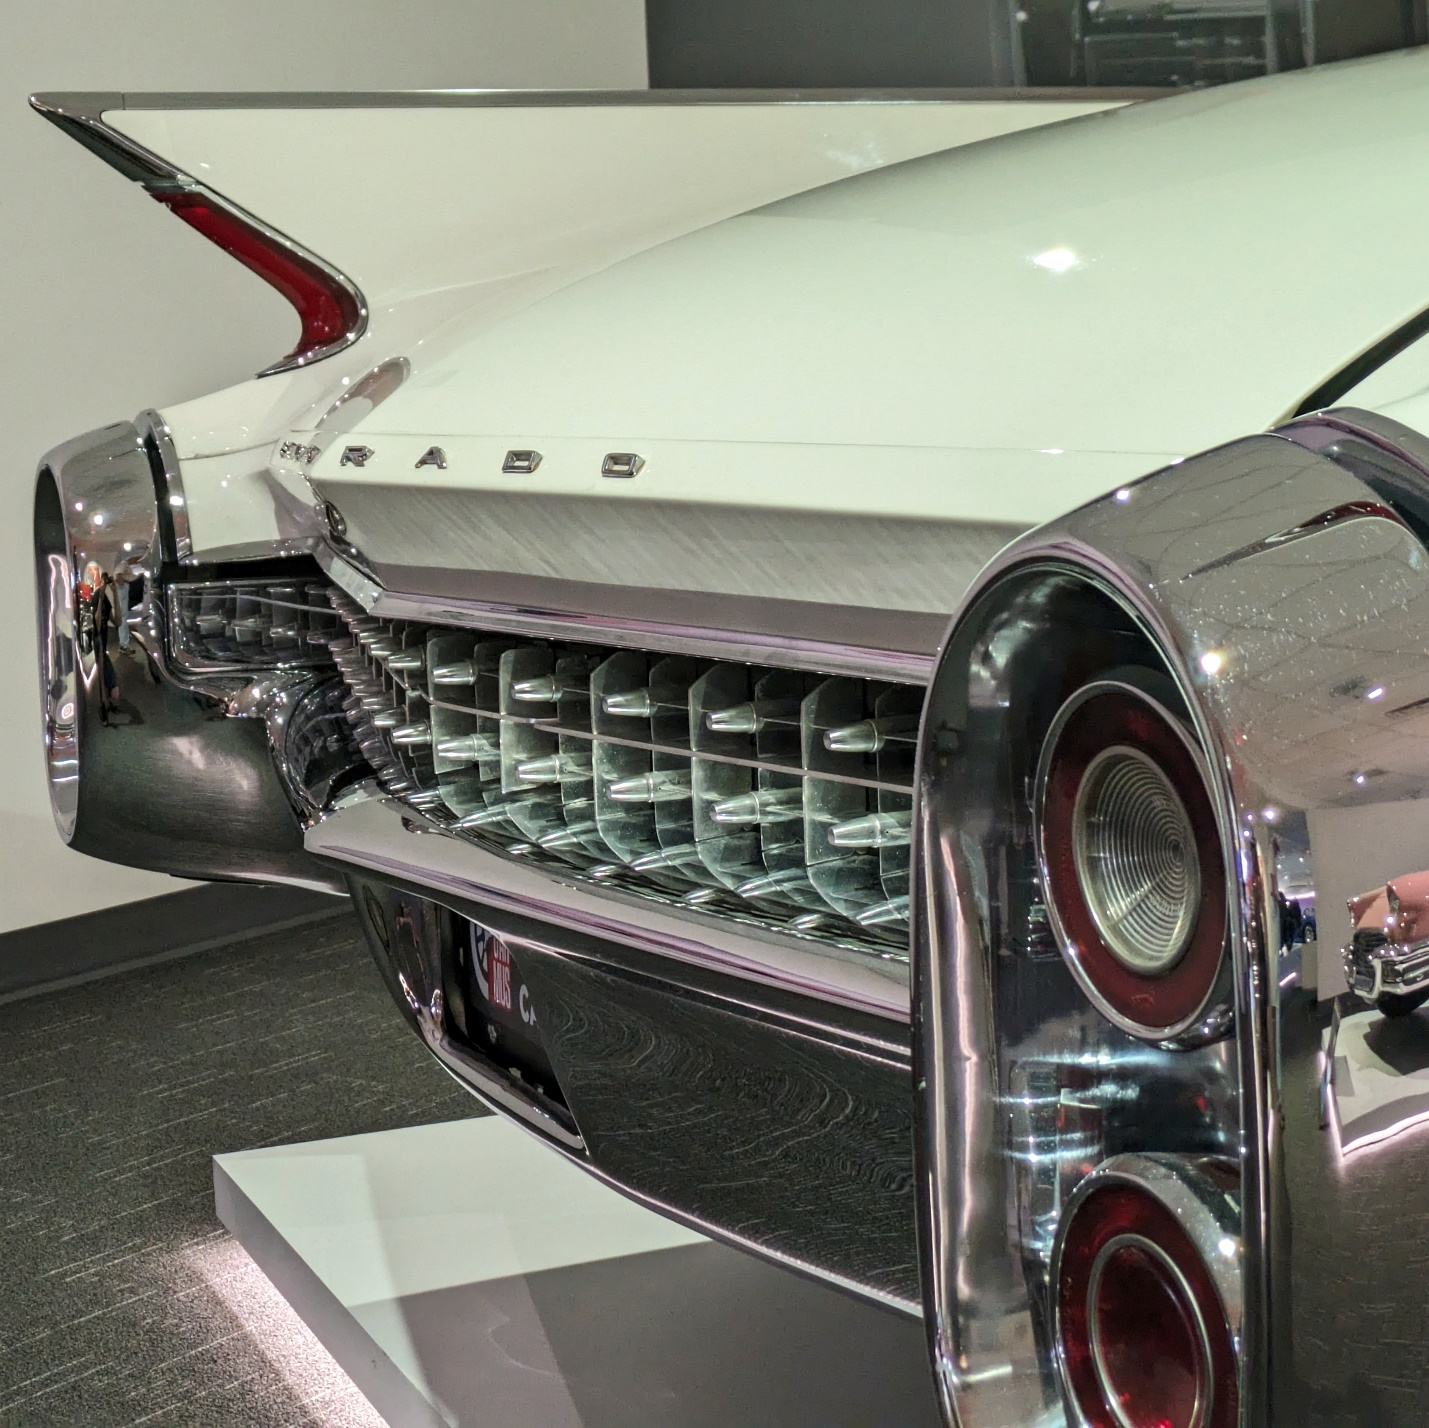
column 108, row 305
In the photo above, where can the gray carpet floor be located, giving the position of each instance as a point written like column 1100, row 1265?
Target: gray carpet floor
column 122, row 1300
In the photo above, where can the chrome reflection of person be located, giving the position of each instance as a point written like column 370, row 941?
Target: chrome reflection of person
column 826, row 654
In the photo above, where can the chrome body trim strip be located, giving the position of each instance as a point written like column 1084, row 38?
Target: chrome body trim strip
column 257, row 550
column 787, row 633
column 383, row 837
column 169, row 479
column 91, row 104
column 81, row 117
column 346, row 576
column 502, row 1096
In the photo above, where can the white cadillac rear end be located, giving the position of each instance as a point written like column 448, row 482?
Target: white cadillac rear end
column 571, row 594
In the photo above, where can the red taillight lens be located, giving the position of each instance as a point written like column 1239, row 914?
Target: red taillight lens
column 1131, row 857
column 1143, row 1339
column 328, row 308
column 1147, row 1348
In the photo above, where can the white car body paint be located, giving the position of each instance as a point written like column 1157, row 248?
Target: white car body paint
column 987, row 335
column 461, row 216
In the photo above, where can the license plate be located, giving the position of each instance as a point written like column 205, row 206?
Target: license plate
column 503, row 1021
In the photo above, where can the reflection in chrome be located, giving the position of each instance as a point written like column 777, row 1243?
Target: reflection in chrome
column 363, row 397
column 158, row 441
column 228, row 626
column 192, row 742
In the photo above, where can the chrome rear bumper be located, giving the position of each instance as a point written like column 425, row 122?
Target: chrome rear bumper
column 382, row 837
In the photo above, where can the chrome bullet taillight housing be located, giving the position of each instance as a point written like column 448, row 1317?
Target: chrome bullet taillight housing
column 1081, row 1085
column 1168, row 735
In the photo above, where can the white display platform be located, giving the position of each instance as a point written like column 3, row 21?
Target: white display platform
column 464, row 1274
column 1381, row 1075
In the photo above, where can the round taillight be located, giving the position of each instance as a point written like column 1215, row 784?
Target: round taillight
column 1144, row 1337
column 1131, row 859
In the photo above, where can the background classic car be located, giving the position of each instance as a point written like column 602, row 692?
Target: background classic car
column 576, row 590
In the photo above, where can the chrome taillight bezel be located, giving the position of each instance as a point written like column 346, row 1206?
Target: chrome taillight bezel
column 1190, row 1002
column 1188, row 1218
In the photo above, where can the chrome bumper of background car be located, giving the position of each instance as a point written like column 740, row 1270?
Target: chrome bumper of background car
column 1391, row 970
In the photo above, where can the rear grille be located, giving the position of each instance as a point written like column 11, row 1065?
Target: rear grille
column 220, row 626
column 744, row 791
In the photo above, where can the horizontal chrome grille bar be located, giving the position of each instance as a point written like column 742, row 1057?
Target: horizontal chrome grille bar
column 758, row 793
column 789, row 634
column 378, row 836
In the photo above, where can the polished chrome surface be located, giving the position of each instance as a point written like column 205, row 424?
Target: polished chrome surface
column 711, row 785
column 94, row 513
column 790, row 633
column 432, row 456
column 356, row 456
column 145, row 765
column 410, row 943
column 621, row 463
column 298, row 451
column 1303, row 670
column 643, row 1074
column 169, row 482
column 81, row 116
column 90, row 104
column 240, row 626
column 520, row 463
column 385, row 838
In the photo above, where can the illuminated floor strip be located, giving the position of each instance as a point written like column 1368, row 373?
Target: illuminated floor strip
column 1381, row 1080
column 463, row 1274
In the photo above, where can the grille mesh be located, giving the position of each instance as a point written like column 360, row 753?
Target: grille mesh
column 235, row 625
column 745, row 791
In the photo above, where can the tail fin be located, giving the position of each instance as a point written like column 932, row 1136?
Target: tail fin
column 421, row 198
